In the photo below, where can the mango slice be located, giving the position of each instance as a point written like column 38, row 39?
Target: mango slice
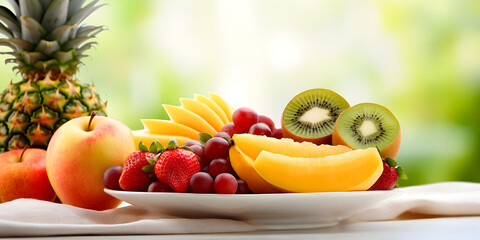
column 165, row 127
column 355, row 170
column 224, row 105
column 188, row 118
column 212, row 105
column 202, row 110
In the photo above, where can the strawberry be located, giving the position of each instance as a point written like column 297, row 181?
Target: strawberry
column 175, row 166
column 134, row 177
column 387, row 180
column 391, row 172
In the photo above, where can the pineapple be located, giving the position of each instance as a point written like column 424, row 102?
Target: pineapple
column 47, row 44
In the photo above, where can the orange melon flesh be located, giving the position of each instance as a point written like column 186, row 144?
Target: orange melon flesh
column 252, row 145
column 244, row 169
column 203, row 111
column 147, row 138
column 188, row 118
column 355, row 170
column 165, row 127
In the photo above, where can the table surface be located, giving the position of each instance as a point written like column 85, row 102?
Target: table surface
column 426, row 228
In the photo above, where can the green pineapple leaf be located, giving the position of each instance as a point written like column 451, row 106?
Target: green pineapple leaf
column 204, row 137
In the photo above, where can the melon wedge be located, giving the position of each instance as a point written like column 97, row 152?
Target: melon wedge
column 188, row 118
column 243, row 167
column 355, row 170
column 202, row 110
column 147, row 138
column 224, row 105
column 165, row 127
column 252, row 145
column 212, row 105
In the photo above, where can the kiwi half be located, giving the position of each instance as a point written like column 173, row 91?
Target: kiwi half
column 368, row 125
column 310, row 115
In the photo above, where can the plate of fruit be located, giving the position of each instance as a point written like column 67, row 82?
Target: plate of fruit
column 292, row 177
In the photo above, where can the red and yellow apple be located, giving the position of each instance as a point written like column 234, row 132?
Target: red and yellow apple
column 23, row 175
column 79, row 153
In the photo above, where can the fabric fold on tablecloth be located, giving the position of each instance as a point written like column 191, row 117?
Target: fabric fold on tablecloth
column 28, row 217
column 437, row 199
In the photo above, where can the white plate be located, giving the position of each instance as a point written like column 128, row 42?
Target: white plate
column 268, row 211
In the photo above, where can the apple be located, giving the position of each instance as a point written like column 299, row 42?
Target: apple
column 79, row 153
column 23, row 175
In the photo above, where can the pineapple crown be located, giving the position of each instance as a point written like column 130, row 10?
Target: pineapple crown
column 46, row 35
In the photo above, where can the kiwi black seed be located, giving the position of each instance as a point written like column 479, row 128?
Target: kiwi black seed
column 366, row 125
column 310, row 115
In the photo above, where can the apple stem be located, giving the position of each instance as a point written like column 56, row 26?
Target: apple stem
column 91, row 119
column 21, row 155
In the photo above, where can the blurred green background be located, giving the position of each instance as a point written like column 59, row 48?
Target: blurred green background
column 421, row 59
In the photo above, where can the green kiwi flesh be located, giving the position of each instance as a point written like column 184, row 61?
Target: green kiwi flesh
column 312, row 114
column 368, row 125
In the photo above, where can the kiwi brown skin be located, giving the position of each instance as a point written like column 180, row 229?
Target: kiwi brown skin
column 391, row 150
column 322, row 140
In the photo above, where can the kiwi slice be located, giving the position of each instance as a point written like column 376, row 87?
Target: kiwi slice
column 368, row 125
column 310, row 116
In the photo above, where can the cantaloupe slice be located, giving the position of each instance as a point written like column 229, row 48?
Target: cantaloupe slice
column 212, row 105
column 188, row 118
column 252, row 145
column 243, row 166
column 165, row 127
column 355, row 170
column 147, row 138
column 224, row 105
column 202, row 110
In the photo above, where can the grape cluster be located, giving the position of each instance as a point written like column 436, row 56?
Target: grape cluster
column 246, row 120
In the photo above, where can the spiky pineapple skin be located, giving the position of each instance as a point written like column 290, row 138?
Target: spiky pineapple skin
column 31, row 110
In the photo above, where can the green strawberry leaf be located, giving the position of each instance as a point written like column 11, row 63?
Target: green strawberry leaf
column 160, row 146
column 152, row 161
column 152, row 175
column 148, row 168
column 153, row 148
column 172, row 144
column 227, row 139
column 142, row 147
column 198, row 158
column 401, row 173
column 391, row 162
column 187, row 148
column 204, row 137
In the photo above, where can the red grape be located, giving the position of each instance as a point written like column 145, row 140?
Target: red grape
column 242, row 187
column 224, row 135
column 231, row 129
column 216, row 147
column 225, row 183
column 266, row 120
column 111, row 177
column 244, row 118
column 159, row 186
column 191, row 143
column 199, row 151
column 260, row 129
column 218, row 166
column 277, row 133
column 201, row 182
